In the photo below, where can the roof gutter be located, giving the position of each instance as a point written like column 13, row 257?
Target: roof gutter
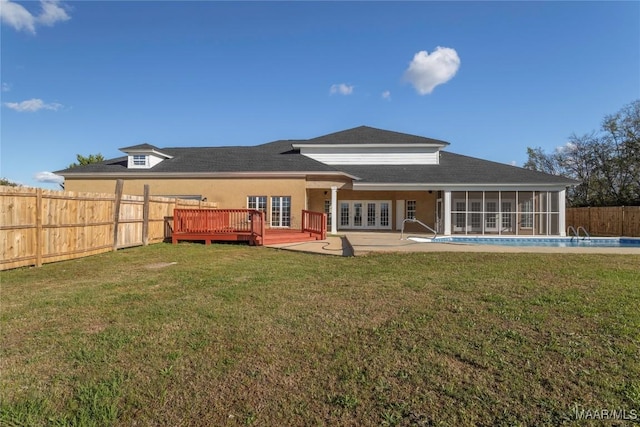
column 186, row 175
column 530, row 186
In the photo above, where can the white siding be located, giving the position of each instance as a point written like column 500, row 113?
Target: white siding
column 373, row 155
column 152, row 160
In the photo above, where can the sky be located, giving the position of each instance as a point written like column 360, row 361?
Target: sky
column 490, row 78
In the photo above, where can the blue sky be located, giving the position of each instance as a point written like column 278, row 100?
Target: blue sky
column 491, row 78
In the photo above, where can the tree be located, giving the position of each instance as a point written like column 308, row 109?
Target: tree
column 606, row 162
column 9, row 183
column 86, row 160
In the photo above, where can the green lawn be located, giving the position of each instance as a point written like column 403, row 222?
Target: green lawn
column 233, row 335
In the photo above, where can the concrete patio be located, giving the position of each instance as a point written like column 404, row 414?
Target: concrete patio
column 362, row 243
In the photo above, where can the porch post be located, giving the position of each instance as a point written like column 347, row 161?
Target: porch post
column 562, row 226
column 334, row 210
column 447, row 213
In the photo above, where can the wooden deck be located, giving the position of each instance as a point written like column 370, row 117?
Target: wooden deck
column 275, row 236
column 246, row 225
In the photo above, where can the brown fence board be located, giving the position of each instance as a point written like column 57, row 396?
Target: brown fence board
column 606, row 221
column 62, row 225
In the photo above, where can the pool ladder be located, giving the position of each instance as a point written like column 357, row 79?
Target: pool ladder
column 435, row 233
column 576, row 232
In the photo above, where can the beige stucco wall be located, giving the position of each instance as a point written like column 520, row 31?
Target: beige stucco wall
column 232, row 193
column 226, row 192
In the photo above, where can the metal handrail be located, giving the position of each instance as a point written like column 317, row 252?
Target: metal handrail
column 435, row 233
column 586, row 233
column 576, row 232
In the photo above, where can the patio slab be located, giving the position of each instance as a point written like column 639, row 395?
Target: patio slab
column 362, row 243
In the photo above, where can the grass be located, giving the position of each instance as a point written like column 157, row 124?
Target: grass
column 232, row 335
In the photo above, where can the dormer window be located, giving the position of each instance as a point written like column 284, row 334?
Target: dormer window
column 144, row 156
column 140, row 160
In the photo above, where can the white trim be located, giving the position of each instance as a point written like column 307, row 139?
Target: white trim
column 312, row 145
column 562, row 210
column 361, row 186
column 447, row 213
column 399, row 214
column 189, row 175
column 334, row 209
column 146, row 151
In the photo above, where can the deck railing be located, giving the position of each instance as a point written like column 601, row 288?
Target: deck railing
column 315, row 223
column 219, row 222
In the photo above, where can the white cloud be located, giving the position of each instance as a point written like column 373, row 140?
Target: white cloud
column 52, row 13
column 49, row 177
column 342, row 89
column 426, row 71
column 6, row 87
column 32, row 105
column 16, row 16
column 386, row 95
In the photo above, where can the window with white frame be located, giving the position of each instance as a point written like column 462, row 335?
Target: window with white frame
column 411, row 209
column 281, row 211
column 327, row 210
column 140, row 159
column 258, row 203
column 384, row 214
column 344, row 214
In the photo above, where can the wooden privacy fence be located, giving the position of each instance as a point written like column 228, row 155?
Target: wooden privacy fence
column 606, row 221
column 40, row 226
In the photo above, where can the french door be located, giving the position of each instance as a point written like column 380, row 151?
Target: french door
column 281, row 211
column 365, row 214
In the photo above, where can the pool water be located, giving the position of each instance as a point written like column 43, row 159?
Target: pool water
column 555, row 242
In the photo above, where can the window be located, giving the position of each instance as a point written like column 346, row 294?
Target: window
column 258, row 203
column 411, row 209
column 357, row 214
column 344, row 214
column 527, row 214
column 281, row 211
column 371, row 214
column 327, row 210
column 384, row 214
column 140, row 160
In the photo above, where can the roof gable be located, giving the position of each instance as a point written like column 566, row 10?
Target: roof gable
column 365, row 135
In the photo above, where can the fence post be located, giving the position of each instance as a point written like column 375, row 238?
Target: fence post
column 39, row 236
column 116, row 212
column 622, row 228
column 145, row 217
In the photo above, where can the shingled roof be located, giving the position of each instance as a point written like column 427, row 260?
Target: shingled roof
column 368, row 135
column 280, row 156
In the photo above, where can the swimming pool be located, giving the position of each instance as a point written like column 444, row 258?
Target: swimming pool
column 554, row 242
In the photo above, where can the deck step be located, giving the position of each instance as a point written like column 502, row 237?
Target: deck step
column 279, row 237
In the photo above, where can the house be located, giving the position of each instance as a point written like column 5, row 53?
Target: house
column 363, row 178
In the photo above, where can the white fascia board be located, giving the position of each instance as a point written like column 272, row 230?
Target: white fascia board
column 179, row 175
column 153, row 152
column 370, row 145
column 456, row 187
